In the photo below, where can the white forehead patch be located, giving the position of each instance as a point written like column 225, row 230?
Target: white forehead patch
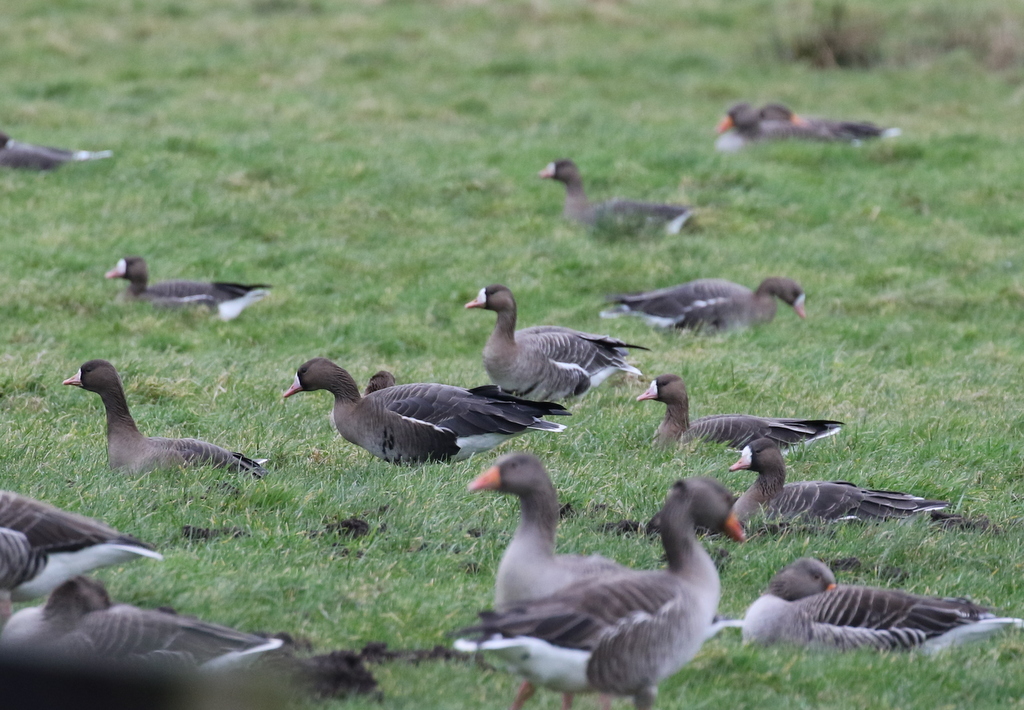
column 122, row 266
column 550, row 168
column 482, row 296
column 746, row 455
column 799, row 300
column 653, row 389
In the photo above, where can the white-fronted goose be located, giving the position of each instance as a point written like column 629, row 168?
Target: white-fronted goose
column 381, row 379
column 579, row 208
column 228, row 299
column 778, row 121
column 803, row 605
column 128, row 449
column 714, row 304
column 79, row 620
column 546, row 361
column 530, row 569
column 423, row 422
column 14, row 154
column 42, row 546
column 622, row 634
column 736, row 430
column 828, row 500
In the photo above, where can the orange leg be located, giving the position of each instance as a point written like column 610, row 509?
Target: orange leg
column 605, row 701
column 567, row 701
column 526, row 691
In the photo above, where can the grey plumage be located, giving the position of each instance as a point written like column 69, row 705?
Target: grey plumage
column 14, row 154
column 744, row 125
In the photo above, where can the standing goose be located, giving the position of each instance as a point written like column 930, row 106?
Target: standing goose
column 79, row 620
column 580, row 209
column 828, row 500
column 42, row 546
column 128, row 449
column 14, row 154
column 714, row 304
column 229, row 299
column 625, row 633
column 423, row 422
column 546, row 361
column 736, row 430
column 530, row 569
column 803, row 605
column 779, row 119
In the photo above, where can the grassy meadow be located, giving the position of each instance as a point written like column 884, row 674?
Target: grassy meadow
column 376, row 162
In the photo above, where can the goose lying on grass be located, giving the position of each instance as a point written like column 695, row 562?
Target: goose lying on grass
column 15, row 154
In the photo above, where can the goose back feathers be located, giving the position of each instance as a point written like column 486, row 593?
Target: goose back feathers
column 14, row 154
column 423, row 422
column 803, row 605
column 128, row 449
column 547, row 361
column 378, row 381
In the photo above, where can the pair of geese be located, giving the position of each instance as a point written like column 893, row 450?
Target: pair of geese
column 586, row 624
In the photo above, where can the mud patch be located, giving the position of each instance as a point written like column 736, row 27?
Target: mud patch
column 623, row 527
column 198, row 534
column 952, row 521
column 378, row 652
column 334, row 675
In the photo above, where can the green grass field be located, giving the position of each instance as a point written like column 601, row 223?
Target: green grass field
column 376, row 162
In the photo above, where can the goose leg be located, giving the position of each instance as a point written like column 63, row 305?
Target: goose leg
column 604, row 701
column 526, row 691
column 567, row 701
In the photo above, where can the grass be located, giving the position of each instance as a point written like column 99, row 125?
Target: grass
column 375, row 162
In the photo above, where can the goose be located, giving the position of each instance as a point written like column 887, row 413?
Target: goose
column 530, row 569
column 381, row 379
column 423, row 422
column 128, row 449
column 736, row 430
column 14, row 154
column 827, row 500
column 546, row 361
column 713, row 304
column 229, row 299
column 779, row 118
column 580, row 209
column 621, row 634
column 804, row 606
column 42, row 546
column 80, row 620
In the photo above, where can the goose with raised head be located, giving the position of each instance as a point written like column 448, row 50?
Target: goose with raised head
column 736, row 430
column 546, row 361
column 423, row 422
column 621, row 634
column 805, row 606
column 826, row 500
column 228, row 299
column 712, row 304
column 15, row 154
column 615, row 211
column 128, row 449
column 79, row 620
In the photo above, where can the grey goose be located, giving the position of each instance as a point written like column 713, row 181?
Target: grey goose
column 80, row 620
column 128, row 449
column 423, row 422
column 579, row 208
column 826, row 500
column 804, row 606
column 621, row 634
column 42, row 546
column 778, row 117
column 712, row 304
column 382, row 379
column 736, row 430
column 228, row 299
column 546, row 361
column 15, row 154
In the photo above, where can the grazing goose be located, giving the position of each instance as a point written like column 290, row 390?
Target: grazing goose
column 423, row 422
column 546, row 361
column 14, row 154
column 380, row 380
column 736, row 430
column 580, row 209
column 624, row 633
column 229, row 299
column 42, row 546
column 779, row 119
column 714, row 304
column 127, row 448
column 828, row 500
column 80, row 620
column 803, row 605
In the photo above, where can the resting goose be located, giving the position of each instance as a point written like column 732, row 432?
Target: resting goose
column 714, row 304
column 128, row 449
column 42, row 546
column 580, row 209
column 803, row 605
column 14, row 154
column 423, row 422
column 79, row 620
column 229, row 299
column 546, row 361
column 380, row 380
column 828, row 500
column 778, row 121
column 622, row 634
column 736, row 430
